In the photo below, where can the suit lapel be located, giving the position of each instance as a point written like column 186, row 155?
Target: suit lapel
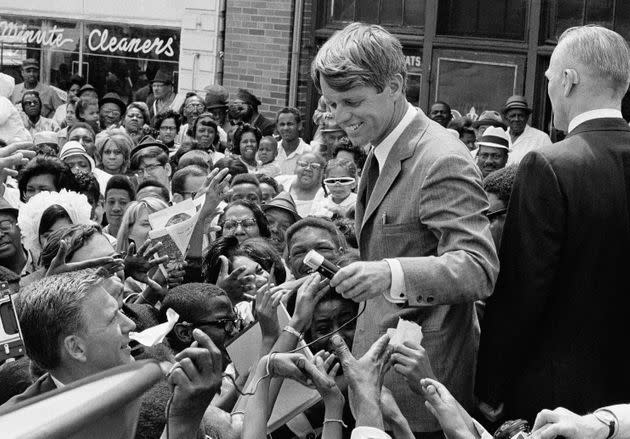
column 602, row 124
column 403, row 148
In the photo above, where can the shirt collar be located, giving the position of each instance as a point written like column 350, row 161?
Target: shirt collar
column 58, row 383
column 594, row 114
column 381, row 151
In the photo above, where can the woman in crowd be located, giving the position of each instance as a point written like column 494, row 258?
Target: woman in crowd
column 246, row 140
column 44, row 174
column 134, row 226
column 85, row 135
column 167, row 124
column 113, row 150
column 46, row 212
column 204, row 132
column 244, row 219
column 70, row 119
column 136, row 117
column 305, row 186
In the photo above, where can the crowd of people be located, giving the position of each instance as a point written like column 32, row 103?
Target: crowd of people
column 509, row 251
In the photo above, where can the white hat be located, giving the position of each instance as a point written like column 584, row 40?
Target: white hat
column 495, row 137
column 75, row 148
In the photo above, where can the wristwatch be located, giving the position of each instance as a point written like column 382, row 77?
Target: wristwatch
column 609, row 419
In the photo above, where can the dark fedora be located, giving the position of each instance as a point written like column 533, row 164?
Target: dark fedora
column 516, row 102
column 282, row 201
column 217, row 96
column 146, row 142
column 163, row 77
column 113, row 98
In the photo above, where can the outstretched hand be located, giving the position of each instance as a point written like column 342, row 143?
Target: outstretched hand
column 139, row 263
column 561, row 422
column 213, row 188
column 365, row 379
column 308, row 295
column 236, row 284
column 453, row 418
column 107, row 265
column 15, row 154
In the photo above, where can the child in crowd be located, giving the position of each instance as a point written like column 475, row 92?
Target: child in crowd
column 339, row 183
column 267, row 153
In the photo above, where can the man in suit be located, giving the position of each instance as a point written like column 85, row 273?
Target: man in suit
column 425, row 243
column 557, row 322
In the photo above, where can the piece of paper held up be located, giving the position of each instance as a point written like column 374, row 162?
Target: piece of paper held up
column 155, row 334
column 405, row 331
column 175, row 239
column 176, row 213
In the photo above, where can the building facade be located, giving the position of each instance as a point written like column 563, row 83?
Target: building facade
column 472, row 54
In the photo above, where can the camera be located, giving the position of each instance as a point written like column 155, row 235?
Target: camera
column 513, row 429
column 11, row 345
column 320, row 264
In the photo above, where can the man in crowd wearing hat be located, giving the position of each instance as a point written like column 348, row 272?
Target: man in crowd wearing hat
column 163, row 95
column 49, row 97
column 244, row 108
column 488, row 118
column 440, row 112
column 524, row 138
column 32, row 118
column 494, row 146
column 149, row 161
column 12, row 254
column 111, row 109
column 558, row 319
column 331, row 134
column 216, row 100
column 281, row 214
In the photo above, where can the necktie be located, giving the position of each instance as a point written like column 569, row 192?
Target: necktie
column 371, row 177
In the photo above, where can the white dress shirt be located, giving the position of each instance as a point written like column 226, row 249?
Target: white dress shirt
column 529, row 140
column 594, row 114
column 396, row 292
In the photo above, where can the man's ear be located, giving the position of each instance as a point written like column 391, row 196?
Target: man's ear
column 395, row 84
column 570, row 77
column 183, row 333
column 168, row 168
column 177, row 198
column 75, row 348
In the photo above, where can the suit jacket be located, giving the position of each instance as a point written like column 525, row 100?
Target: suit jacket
column 556, row 327
column 428, row 211
column 42, row 385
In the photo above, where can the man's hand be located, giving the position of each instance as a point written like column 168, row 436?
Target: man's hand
column 15, row 154
column 562, row 422
column 138, row 263
column 454, row 420
column 288, row 365
column 213, row 187
column 411, row 361
column 195, row 378
column 365, row 379
column 361, row 281
column 237, row 285
column 107, row 265
column 308, row 295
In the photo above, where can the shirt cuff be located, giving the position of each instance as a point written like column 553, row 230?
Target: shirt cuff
column 396, row 293
column 368, row 433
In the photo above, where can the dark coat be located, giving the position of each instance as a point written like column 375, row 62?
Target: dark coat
column 556, row 327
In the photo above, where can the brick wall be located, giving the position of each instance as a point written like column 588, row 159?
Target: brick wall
column 307, row 53
column 258, row 50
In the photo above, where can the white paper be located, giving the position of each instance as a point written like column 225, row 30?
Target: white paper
column 172, row 215
column 155, row 334
column 405, row 331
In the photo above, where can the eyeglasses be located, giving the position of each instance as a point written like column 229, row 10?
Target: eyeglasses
column 229, row 325
column 245, row 223
column 305, row 165
column 148, row 170
column 114, row 113
column 342, row 181
column 6, row 226
column 194, row 106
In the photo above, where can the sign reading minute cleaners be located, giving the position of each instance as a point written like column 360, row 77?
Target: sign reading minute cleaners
column 98, row 40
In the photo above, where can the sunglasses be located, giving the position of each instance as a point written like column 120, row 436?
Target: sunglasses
column 343, row 181
column 233, row 224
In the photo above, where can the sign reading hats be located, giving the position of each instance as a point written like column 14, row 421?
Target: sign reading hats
column 516, row 102
column 495, row 137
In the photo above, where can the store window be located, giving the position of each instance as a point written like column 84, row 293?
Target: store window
column 123, row 59
column 413, row 57
column 390, row 13
column 120, row 58
column 559, row 15
column 483, row 18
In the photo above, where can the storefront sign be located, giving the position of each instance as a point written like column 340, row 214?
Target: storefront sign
column 99, row 40
column 19, row 33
